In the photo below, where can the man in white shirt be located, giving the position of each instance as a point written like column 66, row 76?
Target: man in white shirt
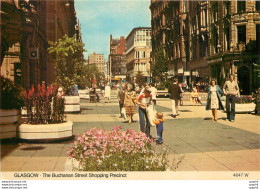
column 231, row 90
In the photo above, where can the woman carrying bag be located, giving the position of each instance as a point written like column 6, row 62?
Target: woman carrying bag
column 213, row 100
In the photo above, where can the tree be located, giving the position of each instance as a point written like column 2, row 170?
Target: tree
column 88, row 73
column 139, row 78
column 67, row 56
column 160, row 66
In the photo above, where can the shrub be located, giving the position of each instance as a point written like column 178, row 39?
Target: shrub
column 244, row 99
column 44, row 105
column 116, row 150
column 11, row 94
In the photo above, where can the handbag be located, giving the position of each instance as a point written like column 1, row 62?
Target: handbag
column 151, row 114
column 123, row 112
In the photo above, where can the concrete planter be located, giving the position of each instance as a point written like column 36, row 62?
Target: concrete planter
column 9, row 122
column 72, row 104
column 45, row 132
column 84, row 94
column 243, row 108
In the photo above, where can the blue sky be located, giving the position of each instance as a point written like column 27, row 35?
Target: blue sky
column 100, row 18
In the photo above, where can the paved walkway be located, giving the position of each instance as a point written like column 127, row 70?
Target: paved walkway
column 205, row 145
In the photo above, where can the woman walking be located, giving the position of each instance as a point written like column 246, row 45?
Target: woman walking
column 129, row 104
column 213, row 100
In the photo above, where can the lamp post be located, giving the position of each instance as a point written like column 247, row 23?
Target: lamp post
column 150, row 61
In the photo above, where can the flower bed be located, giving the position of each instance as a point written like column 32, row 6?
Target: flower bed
column 45, row 115
column 116, row 150
column 244, row 104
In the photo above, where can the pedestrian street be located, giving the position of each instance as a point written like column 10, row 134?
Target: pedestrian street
column 205, row 145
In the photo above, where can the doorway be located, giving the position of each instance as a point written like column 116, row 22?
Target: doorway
column 243, row 76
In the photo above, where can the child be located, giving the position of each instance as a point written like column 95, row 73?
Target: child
column 159, row 126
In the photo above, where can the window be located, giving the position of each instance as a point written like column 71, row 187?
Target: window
column 241, row 6
column 258, row 37
column 241, row 34
column 257, row 5
column 184, row 6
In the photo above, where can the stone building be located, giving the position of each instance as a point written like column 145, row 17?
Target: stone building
column 205, row 39
column 98, row 60
column 138, row 49
column 26, row 28
column 117, row 58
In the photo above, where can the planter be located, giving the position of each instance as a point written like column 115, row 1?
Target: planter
column 243, row 108
column 45, row 132
column 84, row 94
column 8, row 123
column 72, row 104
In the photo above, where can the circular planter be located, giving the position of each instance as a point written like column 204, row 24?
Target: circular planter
column 72, row 104
column 9, row 122
column 243, row 108
column 45, row 132
column 84, row 94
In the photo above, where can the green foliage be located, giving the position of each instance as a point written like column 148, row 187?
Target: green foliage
column 11, row 94
column 140, row 79
column 160, row 66
column 87, row 74
column 67, row 56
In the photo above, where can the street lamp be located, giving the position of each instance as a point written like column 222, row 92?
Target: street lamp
column 150, row 61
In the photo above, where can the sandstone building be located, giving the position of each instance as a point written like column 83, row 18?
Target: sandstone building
column 26, row 28
column 138, row 49
column 205, row 39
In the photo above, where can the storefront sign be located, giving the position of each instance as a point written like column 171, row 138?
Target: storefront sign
column 180, row 70
column 195, row 73
column 186, row 73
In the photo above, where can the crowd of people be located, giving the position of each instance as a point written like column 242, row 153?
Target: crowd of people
column 130, row 95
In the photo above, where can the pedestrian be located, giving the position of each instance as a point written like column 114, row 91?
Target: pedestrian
column 144, row 100
column 153, row 92
column 181, row 95
column 175, row 95
column 194, row 96
column 213, row 100
column 159, row 126
column 107, row 93
column 231, row 90
column 129, row 104
column 121, row 98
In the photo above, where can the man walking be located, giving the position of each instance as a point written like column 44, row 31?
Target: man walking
column 121, row 98
column 175, row 95
column 231, row 90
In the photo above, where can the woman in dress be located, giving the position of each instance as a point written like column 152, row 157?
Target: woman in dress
column 129, row 104
column 213, row 100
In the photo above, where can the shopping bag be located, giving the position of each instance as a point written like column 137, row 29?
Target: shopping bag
column 151, row 114
column 123, row 113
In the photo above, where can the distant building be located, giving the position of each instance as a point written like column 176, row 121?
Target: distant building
column 138, row 49
column 98, row 60
column 117, row 59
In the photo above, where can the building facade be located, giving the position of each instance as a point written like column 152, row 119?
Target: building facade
column 138, row 49
column 117, row 58
column 205, row 39
column 26, row 28
column 98, row 60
